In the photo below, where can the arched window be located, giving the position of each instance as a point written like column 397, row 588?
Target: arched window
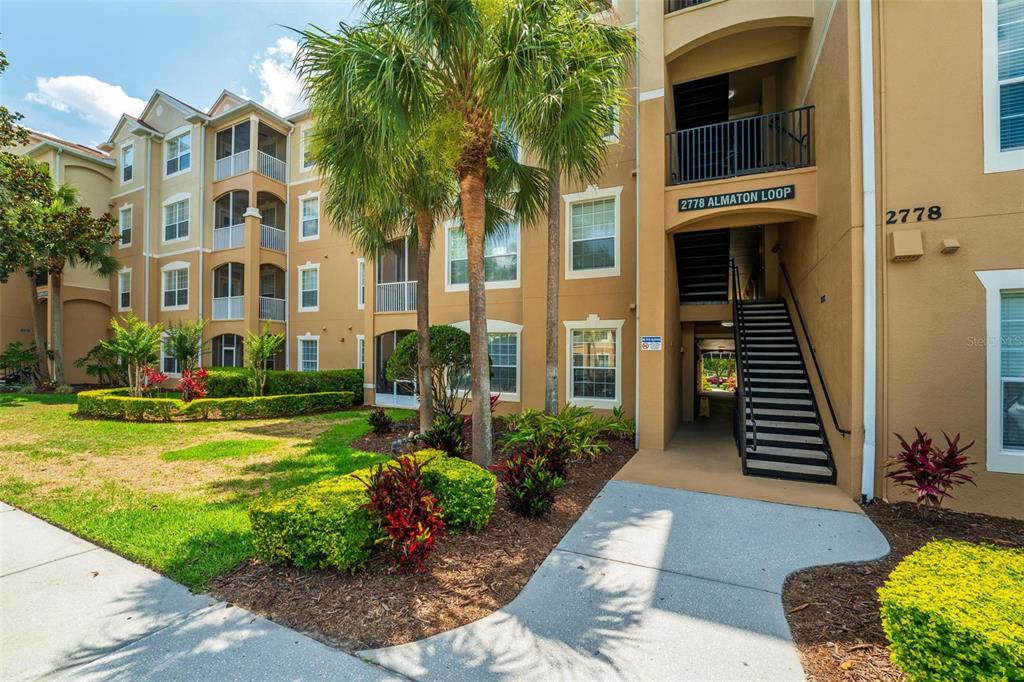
column 229, row 209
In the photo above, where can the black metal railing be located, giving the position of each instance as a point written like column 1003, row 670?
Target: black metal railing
column 744, row 403
column 814, row 356
column 676, row 5
column 744, row 146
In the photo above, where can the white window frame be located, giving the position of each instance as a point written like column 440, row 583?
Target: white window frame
column 613, row 137
column 175, row 134
column 304, row 134
column 165, row 356
column 302, row 269
column 126, row 148
column 503, row 327
column 996, row 160
column 360, row 283
column 308, row 196
column 120, row 289
column 298, row 346
column 995, row 283
column 593, row 322
column 592, row 193
column 176, row 265
column 449, row 286
column 360, row 351
column 121, row 244
column 175, row 199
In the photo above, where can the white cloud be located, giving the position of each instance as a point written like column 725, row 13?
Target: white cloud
column 280, row 87
column 94, row 100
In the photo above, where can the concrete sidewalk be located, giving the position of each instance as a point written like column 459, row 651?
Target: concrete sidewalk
column 71, row 610
column 652, row 584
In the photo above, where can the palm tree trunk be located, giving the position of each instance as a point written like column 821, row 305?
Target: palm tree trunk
column 554, row 276
column 424, row 230
column 57, row 327
column 38, row 330
column 472, row 184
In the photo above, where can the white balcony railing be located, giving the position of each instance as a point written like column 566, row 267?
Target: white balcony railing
column 228, row 307
column 271, row 309
column 230, row 237
column 271, row 166
column 396, row 297
column 231, row 165
column 272, row 238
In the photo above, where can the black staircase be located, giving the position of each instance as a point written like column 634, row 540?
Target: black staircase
column 781, row 434
column 702, row 261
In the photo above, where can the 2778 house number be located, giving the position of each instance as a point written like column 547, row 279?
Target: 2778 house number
column 903, row 215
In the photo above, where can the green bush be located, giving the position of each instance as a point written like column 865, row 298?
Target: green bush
column 233, row 382
column 955, row 611
column 466, row 490
column 117, row 403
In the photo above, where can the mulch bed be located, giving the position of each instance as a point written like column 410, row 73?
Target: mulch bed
column 833, row 611
column 469, row 576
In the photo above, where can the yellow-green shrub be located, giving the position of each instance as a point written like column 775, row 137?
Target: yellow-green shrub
column 955, row 611
column 116, row 403
column 465, row 490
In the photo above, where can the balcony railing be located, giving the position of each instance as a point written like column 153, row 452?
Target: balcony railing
column 230, row 237
column 396, row 297
column 676, row 5
column 273, row 238
column 758, row 144
column 228, row 307
column 271, row 166
column 271, row 309
column 231, row 165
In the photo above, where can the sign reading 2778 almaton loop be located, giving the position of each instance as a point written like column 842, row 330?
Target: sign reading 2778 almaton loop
column 753, row 196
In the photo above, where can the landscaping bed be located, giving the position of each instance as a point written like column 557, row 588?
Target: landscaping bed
column 469, row 576
column 833, row 611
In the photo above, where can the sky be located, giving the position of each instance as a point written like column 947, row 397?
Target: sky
column 77, row 66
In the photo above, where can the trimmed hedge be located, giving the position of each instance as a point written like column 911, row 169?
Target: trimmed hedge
column 117, row 403
column 955, row 611
column 233, row 382
column 325, row 523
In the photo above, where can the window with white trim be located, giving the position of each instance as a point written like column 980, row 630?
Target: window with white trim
column 309, row 288
column 124, row 289
column 178, row 153
column 503, row 349
column 304, row 148
column 310, row 209
column 309, row 353
column 176, row 221
column 1003, row 75
column 612, row 131
column 360, row 351
column 127, row 163
column 124, row 225
column 360, row 283
column 592, row 236
column 1011, row 369
column 501, row 257
column 168, row 363
column 175, row 289
column 228, row 351
column 594, row 361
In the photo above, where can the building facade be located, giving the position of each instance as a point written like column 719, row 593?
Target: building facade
column 730, row 218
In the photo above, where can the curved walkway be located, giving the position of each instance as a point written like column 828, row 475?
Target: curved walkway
column 651, row 584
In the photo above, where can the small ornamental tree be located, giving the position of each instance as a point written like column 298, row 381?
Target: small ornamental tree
column 103, row 366
column 137, row 343
column 259, row 350
column 185, row 342
column 931, row 472
column 450, row 363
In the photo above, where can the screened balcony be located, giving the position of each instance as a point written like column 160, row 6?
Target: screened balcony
column 272, row 212
column 676, row 5
column 228, row 292
column 271, row 154
column 272, row 300
column 228, row 220
column 231, row 151
column 396, row 279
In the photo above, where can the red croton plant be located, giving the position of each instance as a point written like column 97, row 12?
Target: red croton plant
column 931, row 472
column 151, row 379
column 193, row 384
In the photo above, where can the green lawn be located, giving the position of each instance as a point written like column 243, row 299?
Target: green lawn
column 172, row 496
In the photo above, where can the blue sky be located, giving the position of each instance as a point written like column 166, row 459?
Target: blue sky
column 73, row 72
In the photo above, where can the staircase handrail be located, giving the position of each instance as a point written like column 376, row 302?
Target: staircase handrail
column 743, row 378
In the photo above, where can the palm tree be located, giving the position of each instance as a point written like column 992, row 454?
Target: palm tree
column 475, row 64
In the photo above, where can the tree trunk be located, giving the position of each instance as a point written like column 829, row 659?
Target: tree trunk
column 551, row 331
column 424, row 230
column 38, row 330
column 57, row 327
column 472, row 184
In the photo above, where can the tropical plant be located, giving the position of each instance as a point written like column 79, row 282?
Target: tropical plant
column 449, row 365
column 137, row 343
column 380, row 421
column 151, row 380
column 930, row 471
column 104, row 366
column 618, row 424
column 529, row 483
column 192, row 384
column 573, row 434
column 184, row 342
column 259, row 350
column 18, row 360
column 445, row 434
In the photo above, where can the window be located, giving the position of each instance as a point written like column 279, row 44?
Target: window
column 127, row 163
column 612, row 132
column 168, row 363
column 310, row 217
column 360, row 351
column 503, row 351
column 360, row 283
column 501, row 258
column 124, row 225
column 594, row 358
column 175, row 287
column 309, row 353
column 1003, row 75
column 309, row 288
column 1011, row 352
column 176, row 221
column 178, row 152
column 228, row 351
column 304, row 148
column 124, row 289
column 592, row 240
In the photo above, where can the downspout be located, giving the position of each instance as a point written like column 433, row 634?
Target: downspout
column 867, row 116
column 202, row 225
column 147, row 226
column 636, row 243
column 287, row 248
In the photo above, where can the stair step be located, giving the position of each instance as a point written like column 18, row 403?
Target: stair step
column 779, row 370
column 784, row 438
column 774, row 424
column 761, row 380
column 812, row 472
column 769, row 412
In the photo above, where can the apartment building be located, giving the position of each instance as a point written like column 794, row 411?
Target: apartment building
column 729, row 220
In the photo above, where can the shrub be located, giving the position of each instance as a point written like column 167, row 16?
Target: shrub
column 137, row 343
column 449, row 364
column 233, row 382
column 953, row 611
column 618, row 425
column 929, row 471
column 467, row 491
column 405, row 510
column 99, row 363
column 380, row 421
column 529, row 483
column 572, row 434
column 151, row 380
column 193, row 384
column 119, row 404
column 445, row 434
